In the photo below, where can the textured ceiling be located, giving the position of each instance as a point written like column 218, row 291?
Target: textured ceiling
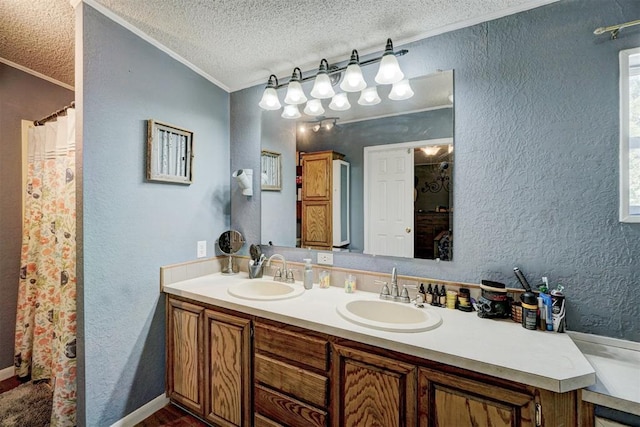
column 39, row 35
column 238, row 43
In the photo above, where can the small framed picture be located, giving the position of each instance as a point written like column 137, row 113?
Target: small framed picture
column 271, row 172
column 169, row 153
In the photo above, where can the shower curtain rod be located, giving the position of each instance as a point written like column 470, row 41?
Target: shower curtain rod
column 54, row 115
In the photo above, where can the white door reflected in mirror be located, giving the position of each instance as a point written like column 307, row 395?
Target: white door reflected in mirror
column 630, row 135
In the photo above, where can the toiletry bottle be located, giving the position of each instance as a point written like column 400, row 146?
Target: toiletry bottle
column 350, row 284
column 548, row 314
column 436, row 296
column 443, row 296
column 422, row 292
column 529, row 310
column 308, row 274
column 464, row 300
column 429, row 296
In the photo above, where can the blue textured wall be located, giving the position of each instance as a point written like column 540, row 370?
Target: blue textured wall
column 22, row 97
column 245, row 153
column 278, row 208
column 132, row 227
column 536, row 179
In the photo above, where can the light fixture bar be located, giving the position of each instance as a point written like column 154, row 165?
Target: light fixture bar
column 334, row 70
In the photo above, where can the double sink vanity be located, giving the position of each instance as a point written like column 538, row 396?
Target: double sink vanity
column 246, row 352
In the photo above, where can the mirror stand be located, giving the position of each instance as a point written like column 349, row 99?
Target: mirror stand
column 230, row 242
column 228, row 269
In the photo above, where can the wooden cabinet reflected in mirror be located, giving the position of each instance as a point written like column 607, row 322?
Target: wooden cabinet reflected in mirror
column 324, row 195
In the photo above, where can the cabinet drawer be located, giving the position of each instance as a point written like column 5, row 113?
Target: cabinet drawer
column 299, row 348
column 287, row 410
column 302, row 384
column 260, row 421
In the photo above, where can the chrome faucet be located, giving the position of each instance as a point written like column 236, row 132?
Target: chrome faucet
column 288, row 274
column 394, row 284
column 395, row 294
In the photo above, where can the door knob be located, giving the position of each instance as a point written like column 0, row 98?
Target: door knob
column 408, row 230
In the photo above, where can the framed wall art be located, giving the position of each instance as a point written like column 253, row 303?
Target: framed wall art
column 169, row 153
column 271, row 172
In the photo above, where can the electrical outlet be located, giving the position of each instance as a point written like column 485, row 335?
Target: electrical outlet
column 325, row 258
column 202, row 248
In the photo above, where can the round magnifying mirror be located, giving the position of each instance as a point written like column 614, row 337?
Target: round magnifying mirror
column 230, row 242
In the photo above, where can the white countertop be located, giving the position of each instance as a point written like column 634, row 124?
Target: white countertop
column 617, row 366
column 499, row 348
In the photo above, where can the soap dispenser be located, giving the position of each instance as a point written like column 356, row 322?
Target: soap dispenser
column 308, row 274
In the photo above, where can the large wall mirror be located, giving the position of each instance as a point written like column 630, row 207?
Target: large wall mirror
column 630, row 135
column 392, row 170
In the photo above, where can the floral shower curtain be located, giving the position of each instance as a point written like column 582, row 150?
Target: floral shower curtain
column 45, row 340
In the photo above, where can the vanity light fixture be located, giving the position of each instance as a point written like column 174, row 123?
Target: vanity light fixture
column 322, row 88
column 270, row 99
column 353, row 81
column 401, row 90
column 314, row 108
column 295, row 94
column 340, row 102
column 291, row 112
column 389, row 71
column 369, row 96
column 330, row 125
column 244, row 177
column 326, row 123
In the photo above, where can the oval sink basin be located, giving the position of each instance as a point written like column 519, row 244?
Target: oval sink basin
column 265, row 290
column 389, row 316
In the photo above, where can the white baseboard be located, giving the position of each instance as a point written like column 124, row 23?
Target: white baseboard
column 7, row 373
column 143, row 412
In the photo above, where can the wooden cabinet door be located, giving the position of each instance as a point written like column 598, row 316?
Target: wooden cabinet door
column 316, row 176
column 371, row 390
column 448, row 400
column 185, row 354
column 316, row 224
column 228, row 363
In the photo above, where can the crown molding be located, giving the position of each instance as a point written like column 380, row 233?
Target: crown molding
column 36, row 74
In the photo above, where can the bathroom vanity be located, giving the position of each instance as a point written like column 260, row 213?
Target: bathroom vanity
column 297, row 362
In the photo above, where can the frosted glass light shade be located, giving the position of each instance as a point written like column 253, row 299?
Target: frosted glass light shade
column 369, row 96
column 270, row 100
column 322, row 88
column 401, row 91
column 295, row 94
column 353, row 80
column 340, row 102
column 389, row 71
column 314, row 108
column 291, row 112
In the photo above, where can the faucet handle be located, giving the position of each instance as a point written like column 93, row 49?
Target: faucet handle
column 404, row 296
column 384, row 292
column 278, row 275
column 289, row 278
